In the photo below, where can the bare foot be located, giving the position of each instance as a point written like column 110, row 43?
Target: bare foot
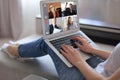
column 13, row 49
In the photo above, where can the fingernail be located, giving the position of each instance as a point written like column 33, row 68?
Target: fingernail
column 76, row 43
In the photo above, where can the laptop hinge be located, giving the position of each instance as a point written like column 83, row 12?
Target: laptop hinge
column 51, row 36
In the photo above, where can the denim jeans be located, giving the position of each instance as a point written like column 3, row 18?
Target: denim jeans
column 39, row 48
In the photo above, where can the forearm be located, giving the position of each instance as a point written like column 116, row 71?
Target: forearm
column 88, row 72
column 101, row 53
column 115, row 75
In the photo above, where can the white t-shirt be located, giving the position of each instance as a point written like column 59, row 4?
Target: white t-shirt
column 108, row 67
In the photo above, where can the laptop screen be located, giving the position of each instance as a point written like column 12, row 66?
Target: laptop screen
column 59, row 16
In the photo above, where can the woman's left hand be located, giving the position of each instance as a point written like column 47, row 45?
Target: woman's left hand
column 71, row 54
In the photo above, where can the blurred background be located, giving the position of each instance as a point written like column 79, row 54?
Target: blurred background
column 18, row 17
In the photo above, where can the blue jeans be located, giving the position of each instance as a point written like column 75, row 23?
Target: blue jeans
column 40, row 48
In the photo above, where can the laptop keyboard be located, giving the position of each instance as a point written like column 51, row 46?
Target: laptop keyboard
column 64, row 40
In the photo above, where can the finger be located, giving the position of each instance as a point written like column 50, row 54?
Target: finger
column 71, row 49
column 77, row 38
column 63, row 53
column 65, row 48
column 78, row 45
column 81, row 39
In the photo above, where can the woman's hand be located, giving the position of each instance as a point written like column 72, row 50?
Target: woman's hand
column 71, row 54
column 84, row 46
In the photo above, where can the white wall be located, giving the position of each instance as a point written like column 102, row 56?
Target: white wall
column 103, row 10
column 113, row 12
column 30, row 9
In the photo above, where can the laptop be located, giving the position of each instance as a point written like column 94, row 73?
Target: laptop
column 60, row 22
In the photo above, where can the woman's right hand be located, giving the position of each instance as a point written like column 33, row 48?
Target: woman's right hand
column 84, row 46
